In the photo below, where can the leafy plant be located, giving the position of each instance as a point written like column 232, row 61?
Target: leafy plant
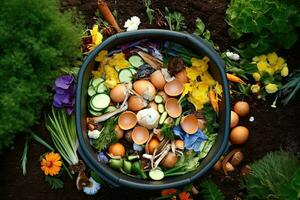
column 175, row 20
column 149, row 10
column 268, row 24
column 54, row 182
column 210, row 191
column 200, row 31
column 36, row 39
column 24, row 156
column 63, row 134
column 167, row 131
column 210, row 117
column 273, row 177
column 107, row 136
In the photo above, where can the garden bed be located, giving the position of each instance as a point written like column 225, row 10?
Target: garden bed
column 271, row 130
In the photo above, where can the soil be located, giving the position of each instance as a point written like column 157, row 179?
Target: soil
column 271, row 130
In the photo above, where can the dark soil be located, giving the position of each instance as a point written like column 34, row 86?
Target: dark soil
column 272, row 129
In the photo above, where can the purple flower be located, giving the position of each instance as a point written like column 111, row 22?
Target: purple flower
column 137, row 147
column 64, row 93
column 102, row 158
column 191, row 141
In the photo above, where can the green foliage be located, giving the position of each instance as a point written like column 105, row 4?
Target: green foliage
column 24, row 156
column 175, row 20
column 108, row 135
column 210, row 117
column 268, row 24
column 149, row 10
column 210, row 191
column 54, row 182
column 289, row 90
column 167, row 131
column 200, row 31
column 36, row 39
column 275, row 176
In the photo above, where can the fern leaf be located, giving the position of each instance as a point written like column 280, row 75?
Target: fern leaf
column 210, row 191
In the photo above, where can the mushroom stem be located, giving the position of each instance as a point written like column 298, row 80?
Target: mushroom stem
column 164, row 153
column 227, row 158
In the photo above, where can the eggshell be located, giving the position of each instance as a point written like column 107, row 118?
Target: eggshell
column 163, row 95
column 182, row 77
column 127, row 120
column 234, row 119
column 140, row 135
column 239, row 135
column 170, row 160
column 119, row 131
column 136, row 103
column 158, row 80
column 153, row 105
column 118, row 93
column 179, row 144
column 173, row 108
column 189, row 124
column 152, row 145
column 173, row 88
column 145, row 89
column 242, row 108
column 116, row 149
column 201, row 124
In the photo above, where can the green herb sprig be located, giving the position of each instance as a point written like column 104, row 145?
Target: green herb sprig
column 107, row 135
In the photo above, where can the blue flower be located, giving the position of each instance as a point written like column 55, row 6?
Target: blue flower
column 137, row 147
column 191, row 141
column 102, row 158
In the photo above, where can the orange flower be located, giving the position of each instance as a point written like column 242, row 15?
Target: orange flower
column 184, row 196
column 168, row 192
column 51, row 164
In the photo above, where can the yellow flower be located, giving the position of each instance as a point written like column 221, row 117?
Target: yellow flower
column 101, row 56
column 118, row 60
column 111, row 76
column 262, row 65
column 285, row 71
column 96, row 35
column 262, row 58
column 256, row 76
column 272, row 58
column 255, row 88
column 198, row 97
column 51, row 164
column 271, row 88
column 191, row 73
column 218, row 90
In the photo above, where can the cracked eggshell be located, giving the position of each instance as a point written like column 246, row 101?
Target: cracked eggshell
column 118, row 93
column 189, row 124
column 136, row 103
column 127, row 120
column 182, row 77
column 173, row 108
column 148, row 118
column 145, row 89
column 158, row 80
column 173, row 88
column 140, row 135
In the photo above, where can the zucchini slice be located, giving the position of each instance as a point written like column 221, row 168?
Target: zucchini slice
column 96, row 82
column 125, row 76
column 100, row 101
column 101, row 88
column 136, row 61
column 133, row 71
column 110, row 109
column 95, row 113
column 91, row 91
column 156, row 174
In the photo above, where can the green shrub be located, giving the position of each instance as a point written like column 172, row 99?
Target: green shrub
column 275, row 176
column 267, row 24
column 36, row 39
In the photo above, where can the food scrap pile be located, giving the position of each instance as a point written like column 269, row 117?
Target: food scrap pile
column 153, row 109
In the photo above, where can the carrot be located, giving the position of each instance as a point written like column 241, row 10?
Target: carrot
column 234, row 79
column 213, row 100
column 108, row 16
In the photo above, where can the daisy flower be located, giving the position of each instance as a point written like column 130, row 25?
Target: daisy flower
column 51, row 164
column 132, row 24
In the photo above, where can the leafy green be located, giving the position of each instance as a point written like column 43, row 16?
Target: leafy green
column 210, row 117
column 54, row 182
column 273, row 176
column 210, row 191
column 167, row 131
column 200, row 26
column 107, row 136
column 24, row 156
column 36, row 39
column 266, row 24
column 63, row 133
column 149, row 10
column 289, row 90
column 175, row 20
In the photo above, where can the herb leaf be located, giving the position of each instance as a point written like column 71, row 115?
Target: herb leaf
column 107, row 136
column 210, row 191
column 54, row 182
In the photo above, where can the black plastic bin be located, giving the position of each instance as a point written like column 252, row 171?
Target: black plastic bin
column 115, row 178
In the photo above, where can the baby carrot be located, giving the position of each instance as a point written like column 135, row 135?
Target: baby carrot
column 234, row 79
column 108, row 16
column 213, row 100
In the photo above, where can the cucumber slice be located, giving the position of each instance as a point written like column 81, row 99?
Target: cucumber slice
column 101, row 88
column 163, row 117
column 94, row 108
column 133, row 71
column 160, row 108
column 125, row 76
column 136, row 61
column 156, row 174
column 91, row 91
column 110, row 109
column 158, row 99
column 100, row 101
column 95, row 113
column 96, row 82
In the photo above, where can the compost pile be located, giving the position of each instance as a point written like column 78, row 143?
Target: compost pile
column 153, row 109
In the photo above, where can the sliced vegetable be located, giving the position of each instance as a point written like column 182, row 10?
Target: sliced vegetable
column 161, row 108
column 100, row 101
column 158, row 99
column 110, row 109
column 101, row 88
column 91, row 91
column 136, row 61
column 133, row 71
column 156, row 174
column 163, row 117
column 125, row 76
column 96, row 82
column 95, row 113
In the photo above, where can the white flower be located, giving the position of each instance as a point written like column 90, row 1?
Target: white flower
column 132, row 24
column 94, row 134
column 92, row 188
column 251, row 119
column 232, row 56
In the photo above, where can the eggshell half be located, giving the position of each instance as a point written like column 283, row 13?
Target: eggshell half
column 136, row 103
column 118, row 93
column 189, row 124
column 127, row 120
column 158, row 80
column 173, row 88
column 145, row 89
column 140, row 135
column 173, row 108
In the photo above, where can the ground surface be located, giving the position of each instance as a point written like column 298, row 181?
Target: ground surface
column 272, row 129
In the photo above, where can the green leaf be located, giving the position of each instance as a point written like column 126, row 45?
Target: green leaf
column 54, row 182
column 210, row 191
column 24, row 156
column 200, row 26
column 107, row 136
